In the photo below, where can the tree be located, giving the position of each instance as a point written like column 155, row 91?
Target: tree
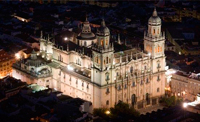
column 120, row 112
column 123, row 111
column 171, row 101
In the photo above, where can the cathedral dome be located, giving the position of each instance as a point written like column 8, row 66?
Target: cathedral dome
column 86, row 35
column 154, row 19
column 86, row 32
column 103, row 30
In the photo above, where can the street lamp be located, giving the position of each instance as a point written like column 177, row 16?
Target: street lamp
column 70, row 68
column 149, row 54
column 65, row 38
column 17, row 56
column 107, row 112
column 184, row 107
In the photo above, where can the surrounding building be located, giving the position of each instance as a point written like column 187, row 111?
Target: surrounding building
column 99, row 70
column 182, row 84
column 9, row 86
column 6, row 62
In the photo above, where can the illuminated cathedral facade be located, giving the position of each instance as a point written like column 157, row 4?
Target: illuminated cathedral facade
column 95, row 69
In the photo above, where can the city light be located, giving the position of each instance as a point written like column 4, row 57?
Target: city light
column 185, row 105
column 70, row 68
column 65, row 38
column 17, row 56
column 107, row 112
column 183, row 92
column 149, row 54
column 169, row 72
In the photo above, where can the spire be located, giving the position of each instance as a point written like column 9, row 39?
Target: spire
column 48, row 38
column 103, row 24
column 155, row 12
column 41, row 34
column 67, row 47
column 119, row 41
column 86, row 19
column 33, row 54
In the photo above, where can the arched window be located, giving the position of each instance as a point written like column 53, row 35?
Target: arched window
column 106, row 59
column 158, row 89
column 131, row 69
column 107, row 102
column 101, row 42
column 107, row 90
column 158, row 48
column 97, row 59
column 154, row 31
column 133, row 99
column 106, row 42
column 107, row 76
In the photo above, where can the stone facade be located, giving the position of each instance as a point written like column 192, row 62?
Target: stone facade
column 101, row 74
column 184, row 85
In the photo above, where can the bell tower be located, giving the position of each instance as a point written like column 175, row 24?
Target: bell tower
column 154, row 39
column 154, row 44
column 102, row 56
column 102, row 73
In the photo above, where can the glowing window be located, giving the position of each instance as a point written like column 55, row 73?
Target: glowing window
column 106, row 42
column 101, row 42
column 106, row 59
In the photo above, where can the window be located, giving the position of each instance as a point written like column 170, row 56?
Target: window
column 104, row 62
column 141, row 82
column 87, row 86
column 147, row 80
column 107, row 76
column 76, row 81
column 133, row 83
column 101, row 42
column 125, row 86
column 154, row 31
column 107, row 102
column 109, row 60
column 158, row 78
column 97, row 59
column 117, row 74
column 131, row 69
column 83, row 84
column 158, row 31
column 70, row 78
column 106, row 59
column 119, row 87
column 158, row 65
column 158, row 89
column 106, row 42
column 107, row 90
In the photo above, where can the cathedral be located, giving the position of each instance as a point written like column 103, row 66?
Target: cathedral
column 95, row 69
